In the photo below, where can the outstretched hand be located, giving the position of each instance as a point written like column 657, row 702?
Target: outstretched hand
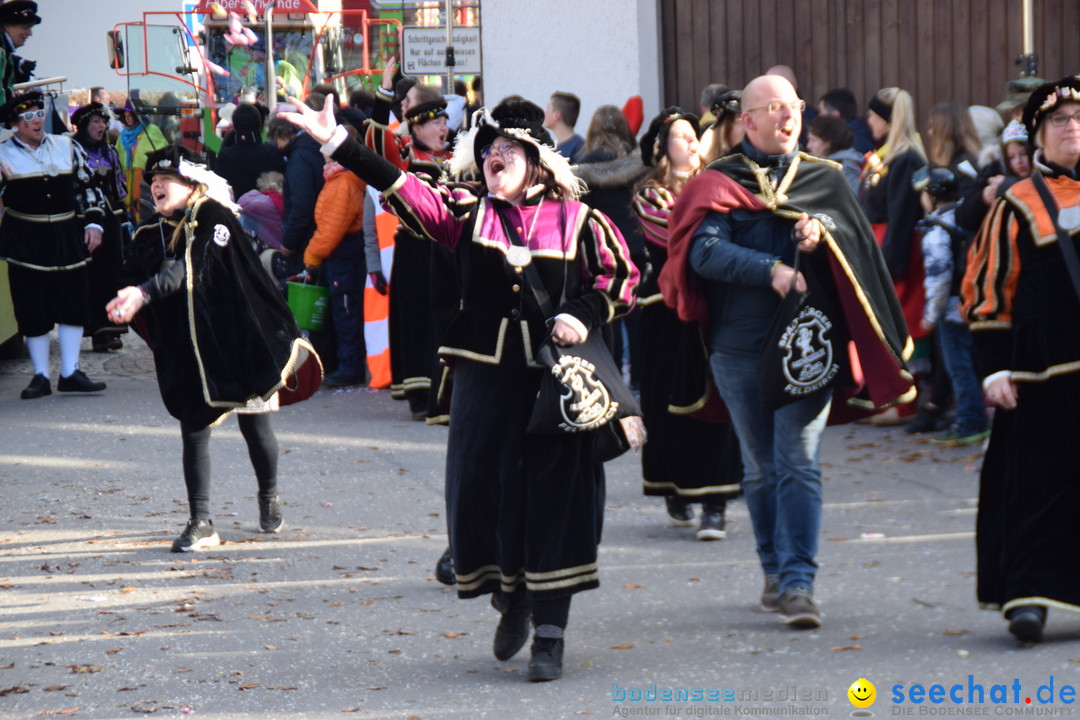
column 319, row 125
column 388, row 75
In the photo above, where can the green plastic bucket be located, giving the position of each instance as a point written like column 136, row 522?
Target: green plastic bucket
column 308, row 304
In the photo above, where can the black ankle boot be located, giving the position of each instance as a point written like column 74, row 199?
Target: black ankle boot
column 546, row 661
column 444, row 568
column 1026, row 623
column 513, row 630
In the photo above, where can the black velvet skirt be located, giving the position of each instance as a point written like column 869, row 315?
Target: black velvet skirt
column 523, row 510
column 1028, row 547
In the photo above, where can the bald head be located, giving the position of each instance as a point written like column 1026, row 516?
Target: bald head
column 785, row 72
column 772, row 132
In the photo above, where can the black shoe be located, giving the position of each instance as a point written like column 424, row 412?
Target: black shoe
column 679, row 510
column 197, row 535
column 39, row 387
column 512, row 632
column 78, row 382
column 1027, row 622
column 270, row 518
column 546, row 661
column 340, row 378
column 105, row 343
column 712, row 524
column 926, row 420
column 444, row 568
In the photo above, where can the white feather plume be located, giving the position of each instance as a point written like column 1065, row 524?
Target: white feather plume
column 216, row 186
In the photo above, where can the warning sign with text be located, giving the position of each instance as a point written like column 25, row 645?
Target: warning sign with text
column 423, row 50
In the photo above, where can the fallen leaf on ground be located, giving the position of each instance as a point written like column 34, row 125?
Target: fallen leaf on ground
column 624, row 646
column 842, row 648
column 55, row 688
column 85, row 669
column 633, row 586
column 453, row 635
column 958, row 631
column 65, row 711
column 248, row 686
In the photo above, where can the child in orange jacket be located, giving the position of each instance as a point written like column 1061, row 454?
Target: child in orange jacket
column 337, row 250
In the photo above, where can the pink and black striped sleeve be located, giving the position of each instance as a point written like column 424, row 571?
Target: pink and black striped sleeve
column 610, row 277
column 653, row 206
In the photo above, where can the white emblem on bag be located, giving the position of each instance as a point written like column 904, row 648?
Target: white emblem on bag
column 808, row 363
column 585, row 403
column 518, row 256
column 1069, row 219
column 221, row 235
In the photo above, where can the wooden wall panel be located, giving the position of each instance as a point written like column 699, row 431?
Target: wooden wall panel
column 936, row 49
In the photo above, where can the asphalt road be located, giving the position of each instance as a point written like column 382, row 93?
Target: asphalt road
column 340, row 616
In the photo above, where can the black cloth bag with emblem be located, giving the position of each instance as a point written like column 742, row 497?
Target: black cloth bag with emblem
column 582, row 389
column 806, row 348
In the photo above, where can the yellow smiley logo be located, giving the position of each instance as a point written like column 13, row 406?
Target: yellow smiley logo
column 862, row 693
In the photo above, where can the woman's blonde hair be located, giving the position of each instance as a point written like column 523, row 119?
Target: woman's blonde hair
column 903, row 135
column 198, row 191
column 661, row 176
column 716, row 141
column 951, row 134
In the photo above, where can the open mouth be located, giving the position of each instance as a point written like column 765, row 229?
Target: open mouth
column 159, row 196
column 497, row 167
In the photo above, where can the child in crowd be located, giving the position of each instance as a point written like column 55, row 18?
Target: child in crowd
column 944, row 247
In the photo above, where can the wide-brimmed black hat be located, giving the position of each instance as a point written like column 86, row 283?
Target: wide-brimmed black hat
column 19, row 12
column 167, row 161
column 420, row 114
column 20, row 104
column 1048, row 96
column 91, row 110
column 517, row 119
column 654, row 141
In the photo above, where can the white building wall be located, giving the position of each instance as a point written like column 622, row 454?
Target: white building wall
column 70, row 41
column 603, row 51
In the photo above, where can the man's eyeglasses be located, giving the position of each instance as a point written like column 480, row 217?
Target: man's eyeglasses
column 797, row 106
column 504, row 149
column 39, row 113
column 1062, row 119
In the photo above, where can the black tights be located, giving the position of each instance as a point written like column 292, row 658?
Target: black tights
column 544, row 612
column 262, row 449
column 551, row 612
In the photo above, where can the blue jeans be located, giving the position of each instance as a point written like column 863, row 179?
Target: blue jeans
column 345, row 271
column 955, row 339
column 782, row 478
